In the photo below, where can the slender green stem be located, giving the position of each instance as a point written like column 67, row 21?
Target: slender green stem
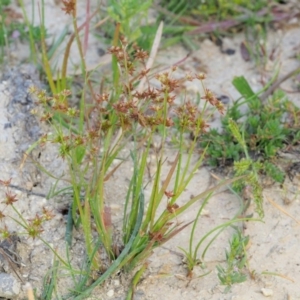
column 116, row 264
column 21, row 217
column 33, row 54
column 135, row 281
column 195, row 224
column 226, row 224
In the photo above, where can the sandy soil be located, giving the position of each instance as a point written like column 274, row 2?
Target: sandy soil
column 274, row 244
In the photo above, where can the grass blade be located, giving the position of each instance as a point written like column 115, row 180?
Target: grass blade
column 243, row 87
column 116, row 264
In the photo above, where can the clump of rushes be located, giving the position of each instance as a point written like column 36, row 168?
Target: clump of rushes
column 90, row 140
column 33, row 227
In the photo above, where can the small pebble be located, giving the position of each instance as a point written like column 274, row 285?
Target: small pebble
column 268, row 283
column 116, row 282
column 267, row 292
column 204, row 212
column 229, row 51
column 115, row 207
column 110, row 293
column 224, row 99
column 9, row 286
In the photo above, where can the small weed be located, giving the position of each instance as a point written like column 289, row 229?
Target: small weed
column 131, row 19
column 191, row 254
column 264, row 128
column 251, row 140
column 129, row 13
column 32, row 227
column 236, row 259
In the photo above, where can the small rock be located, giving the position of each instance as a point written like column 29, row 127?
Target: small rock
column 115, row 207
column 139, row 295
column 204, row 212
column 267, row 292
column 9, row 286
column 229, row 51
column 110, row 293
column 116, row 282
column 224, row 99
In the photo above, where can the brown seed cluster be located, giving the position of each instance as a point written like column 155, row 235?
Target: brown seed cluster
column 127, row 106
column 69, row 6
column 33, row 227
column 154, row 106
column 212, row 99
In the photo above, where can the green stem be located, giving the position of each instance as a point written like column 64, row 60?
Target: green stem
column 195, row 223
column 115, row 265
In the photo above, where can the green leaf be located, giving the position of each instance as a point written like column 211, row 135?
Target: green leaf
column 79, row 153
column 253, row 121
column 6, row 2
column 270, row 150
column 243, row 87
column 274, row 172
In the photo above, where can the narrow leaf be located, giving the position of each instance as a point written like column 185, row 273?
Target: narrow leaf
column 243, row 87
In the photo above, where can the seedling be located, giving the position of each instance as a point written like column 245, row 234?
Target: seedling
column 236, row 259
column 192, row 254
column 130, row 14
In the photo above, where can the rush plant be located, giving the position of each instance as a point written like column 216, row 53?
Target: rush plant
column 90, row 140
